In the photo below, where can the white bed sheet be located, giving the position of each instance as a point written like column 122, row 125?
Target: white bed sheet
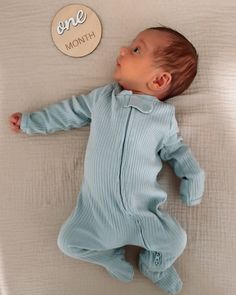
column 40, row 176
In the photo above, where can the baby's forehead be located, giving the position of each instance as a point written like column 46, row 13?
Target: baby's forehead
column 154, row 38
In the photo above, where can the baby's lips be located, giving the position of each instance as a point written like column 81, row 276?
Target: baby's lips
column 117, row 62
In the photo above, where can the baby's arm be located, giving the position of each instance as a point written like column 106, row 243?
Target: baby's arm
column 67, row 114
column 185, row 166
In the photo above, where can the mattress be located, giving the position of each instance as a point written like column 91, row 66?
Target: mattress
column 40, row 176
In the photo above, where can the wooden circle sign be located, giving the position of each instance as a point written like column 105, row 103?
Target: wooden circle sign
column 76, row 30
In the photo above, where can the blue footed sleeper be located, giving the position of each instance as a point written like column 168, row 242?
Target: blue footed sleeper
column 118, row 203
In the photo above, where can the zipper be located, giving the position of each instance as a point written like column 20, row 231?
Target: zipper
column 121, row 162
column 141, row 233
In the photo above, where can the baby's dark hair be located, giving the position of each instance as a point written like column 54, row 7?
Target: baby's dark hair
column 180, row 59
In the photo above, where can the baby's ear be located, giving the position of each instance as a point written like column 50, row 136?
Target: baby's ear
column 161, row 81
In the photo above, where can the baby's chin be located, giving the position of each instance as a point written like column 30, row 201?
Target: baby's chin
column 115, row 76
column 122, row 83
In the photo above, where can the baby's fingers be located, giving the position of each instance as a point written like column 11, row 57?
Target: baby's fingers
column 14, row 118
column 15, row 128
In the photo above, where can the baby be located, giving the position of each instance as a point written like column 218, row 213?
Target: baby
column 131, row 130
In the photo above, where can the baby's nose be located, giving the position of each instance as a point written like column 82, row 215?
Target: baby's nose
column 123, row 50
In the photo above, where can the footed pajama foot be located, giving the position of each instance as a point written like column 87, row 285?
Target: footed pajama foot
column 167, row 280
column 120, row 268
column 123, row 271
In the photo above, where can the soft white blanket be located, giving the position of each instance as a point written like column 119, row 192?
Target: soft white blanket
column 40, row 176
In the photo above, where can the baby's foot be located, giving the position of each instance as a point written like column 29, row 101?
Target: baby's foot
column 167, row 280
column 120, row 269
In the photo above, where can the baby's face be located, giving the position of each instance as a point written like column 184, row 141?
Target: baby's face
column 135, row 64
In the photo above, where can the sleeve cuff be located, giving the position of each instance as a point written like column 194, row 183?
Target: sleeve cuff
column 24, row 122
column 191, row 190
column 193, row 202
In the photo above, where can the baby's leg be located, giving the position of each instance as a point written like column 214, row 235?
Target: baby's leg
column 156, row 260
column 113, row 260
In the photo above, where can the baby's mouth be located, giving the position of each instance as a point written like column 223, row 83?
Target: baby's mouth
column 117, row 63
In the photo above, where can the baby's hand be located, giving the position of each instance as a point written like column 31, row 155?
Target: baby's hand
column 14, row 121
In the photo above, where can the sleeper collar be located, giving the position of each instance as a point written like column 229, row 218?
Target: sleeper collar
column 143, row 102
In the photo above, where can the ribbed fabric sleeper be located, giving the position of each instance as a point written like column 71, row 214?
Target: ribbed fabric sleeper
column 119, row 200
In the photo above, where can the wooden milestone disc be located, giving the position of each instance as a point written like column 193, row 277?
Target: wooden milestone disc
column 76, row 30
